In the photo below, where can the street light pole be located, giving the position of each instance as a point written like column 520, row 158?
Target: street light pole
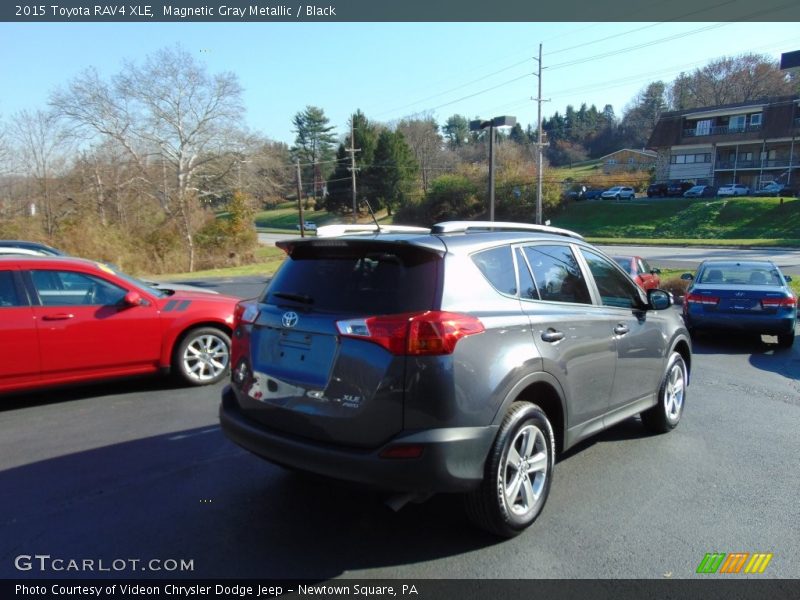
column 492, row 124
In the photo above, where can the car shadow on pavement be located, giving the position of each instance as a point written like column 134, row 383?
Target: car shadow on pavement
column 193, row 495
column 142, row 384
column 765, row 354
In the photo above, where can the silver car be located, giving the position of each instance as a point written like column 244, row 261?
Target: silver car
column 457, row 359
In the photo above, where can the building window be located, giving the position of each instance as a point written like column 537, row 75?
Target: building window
column 737, row 123
column 703, row 127
column 755, row 119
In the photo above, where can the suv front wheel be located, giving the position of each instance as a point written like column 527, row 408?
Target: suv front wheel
column 519, row 470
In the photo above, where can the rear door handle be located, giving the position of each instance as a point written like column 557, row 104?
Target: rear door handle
column 58, row 317
column 621, row 329
column 551, row 335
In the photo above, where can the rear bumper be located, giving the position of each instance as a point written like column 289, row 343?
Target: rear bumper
column 768, row 325
column 452, row 460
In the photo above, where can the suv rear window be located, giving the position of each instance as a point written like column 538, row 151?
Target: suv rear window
column 357, row 278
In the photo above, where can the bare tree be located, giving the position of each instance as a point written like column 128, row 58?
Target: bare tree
column 169, row 116
column 41, row 148
column 422, row 135
column 729, row 80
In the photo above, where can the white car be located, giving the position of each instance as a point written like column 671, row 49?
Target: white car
column 619, row 192
column 733, row 189
column 307, row 225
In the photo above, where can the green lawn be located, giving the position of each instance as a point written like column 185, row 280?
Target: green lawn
column 734, row 221
column 285, row 217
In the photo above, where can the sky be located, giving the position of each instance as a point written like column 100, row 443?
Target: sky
column 389, row 70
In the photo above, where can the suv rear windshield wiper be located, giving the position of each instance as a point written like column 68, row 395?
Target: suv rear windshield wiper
column 302, row 298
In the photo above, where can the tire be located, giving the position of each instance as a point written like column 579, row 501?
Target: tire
column 786, row 340
column 203, row 356
column 515, row 486
column 667, row 412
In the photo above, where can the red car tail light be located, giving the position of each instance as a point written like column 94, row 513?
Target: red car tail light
column 785, row 302
column 402, row 451
column 430, row 333
column 700, row 299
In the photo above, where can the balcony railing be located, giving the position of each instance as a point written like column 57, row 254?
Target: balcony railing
column 722, row 130
column 757, row 164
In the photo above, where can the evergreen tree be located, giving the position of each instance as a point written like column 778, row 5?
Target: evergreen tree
column 313, row 145
column 391, row 177
column 456, row 131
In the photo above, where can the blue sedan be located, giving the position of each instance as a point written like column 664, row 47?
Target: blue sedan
column 743, row 296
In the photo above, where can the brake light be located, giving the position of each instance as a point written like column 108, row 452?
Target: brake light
column 700, row 299
column 785, row 302
column 245, row 313
column 416, row 334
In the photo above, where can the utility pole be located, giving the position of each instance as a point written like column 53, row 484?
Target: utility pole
column 352, row 152
column 539, row 143
column 300, row 201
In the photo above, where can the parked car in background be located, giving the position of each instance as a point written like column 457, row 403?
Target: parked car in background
column 619, row 192
column 657, row 190
column 71, row 320
column 38, row 249
column 749, row 296
column 733, row 189
column 592, row 193
column 33, row 248
column 576, row 191
column 456, row 359
column 700, row 191
column 675, row 189
column 640, row 270
column 307, row 225
column 777, row 189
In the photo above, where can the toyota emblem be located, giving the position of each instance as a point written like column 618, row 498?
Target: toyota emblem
column 289, row 319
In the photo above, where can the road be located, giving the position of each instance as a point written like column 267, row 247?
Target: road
column 673, row 257
column 140, row 470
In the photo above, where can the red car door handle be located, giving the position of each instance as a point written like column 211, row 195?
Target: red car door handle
column 58, row 317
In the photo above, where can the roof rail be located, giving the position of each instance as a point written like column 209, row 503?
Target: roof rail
column 466, row 226
column 344, row 229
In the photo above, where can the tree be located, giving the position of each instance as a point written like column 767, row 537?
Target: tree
column 456, row 131
column 41, row 145
column 340, row 186
column 730, row 80
column 392, row 175
column 422, row 136
column 314, row 145
column 170, row 116
column 643, row 114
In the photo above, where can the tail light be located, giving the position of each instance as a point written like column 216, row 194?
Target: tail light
column 245, row 313
column 700, row 299
column 416, row 334
column 785, row 302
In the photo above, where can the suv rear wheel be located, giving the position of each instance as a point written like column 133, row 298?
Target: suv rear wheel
column 518, row 473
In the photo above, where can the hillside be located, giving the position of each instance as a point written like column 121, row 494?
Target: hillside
column 766, row 221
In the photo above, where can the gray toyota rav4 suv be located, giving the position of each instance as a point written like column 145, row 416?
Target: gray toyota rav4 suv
column 456, row 359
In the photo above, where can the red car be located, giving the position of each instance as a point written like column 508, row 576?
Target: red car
column 69, row 320
column 641, row 272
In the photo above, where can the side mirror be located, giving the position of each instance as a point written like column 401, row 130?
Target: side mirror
column 788, row 278
column 132, row 299
column 655, row 271
column 687, row 277
column 659, row 299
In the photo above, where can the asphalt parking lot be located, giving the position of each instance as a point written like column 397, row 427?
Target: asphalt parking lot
column 139, row 471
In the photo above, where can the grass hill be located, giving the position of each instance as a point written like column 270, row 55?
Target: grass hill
column 735, row 221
